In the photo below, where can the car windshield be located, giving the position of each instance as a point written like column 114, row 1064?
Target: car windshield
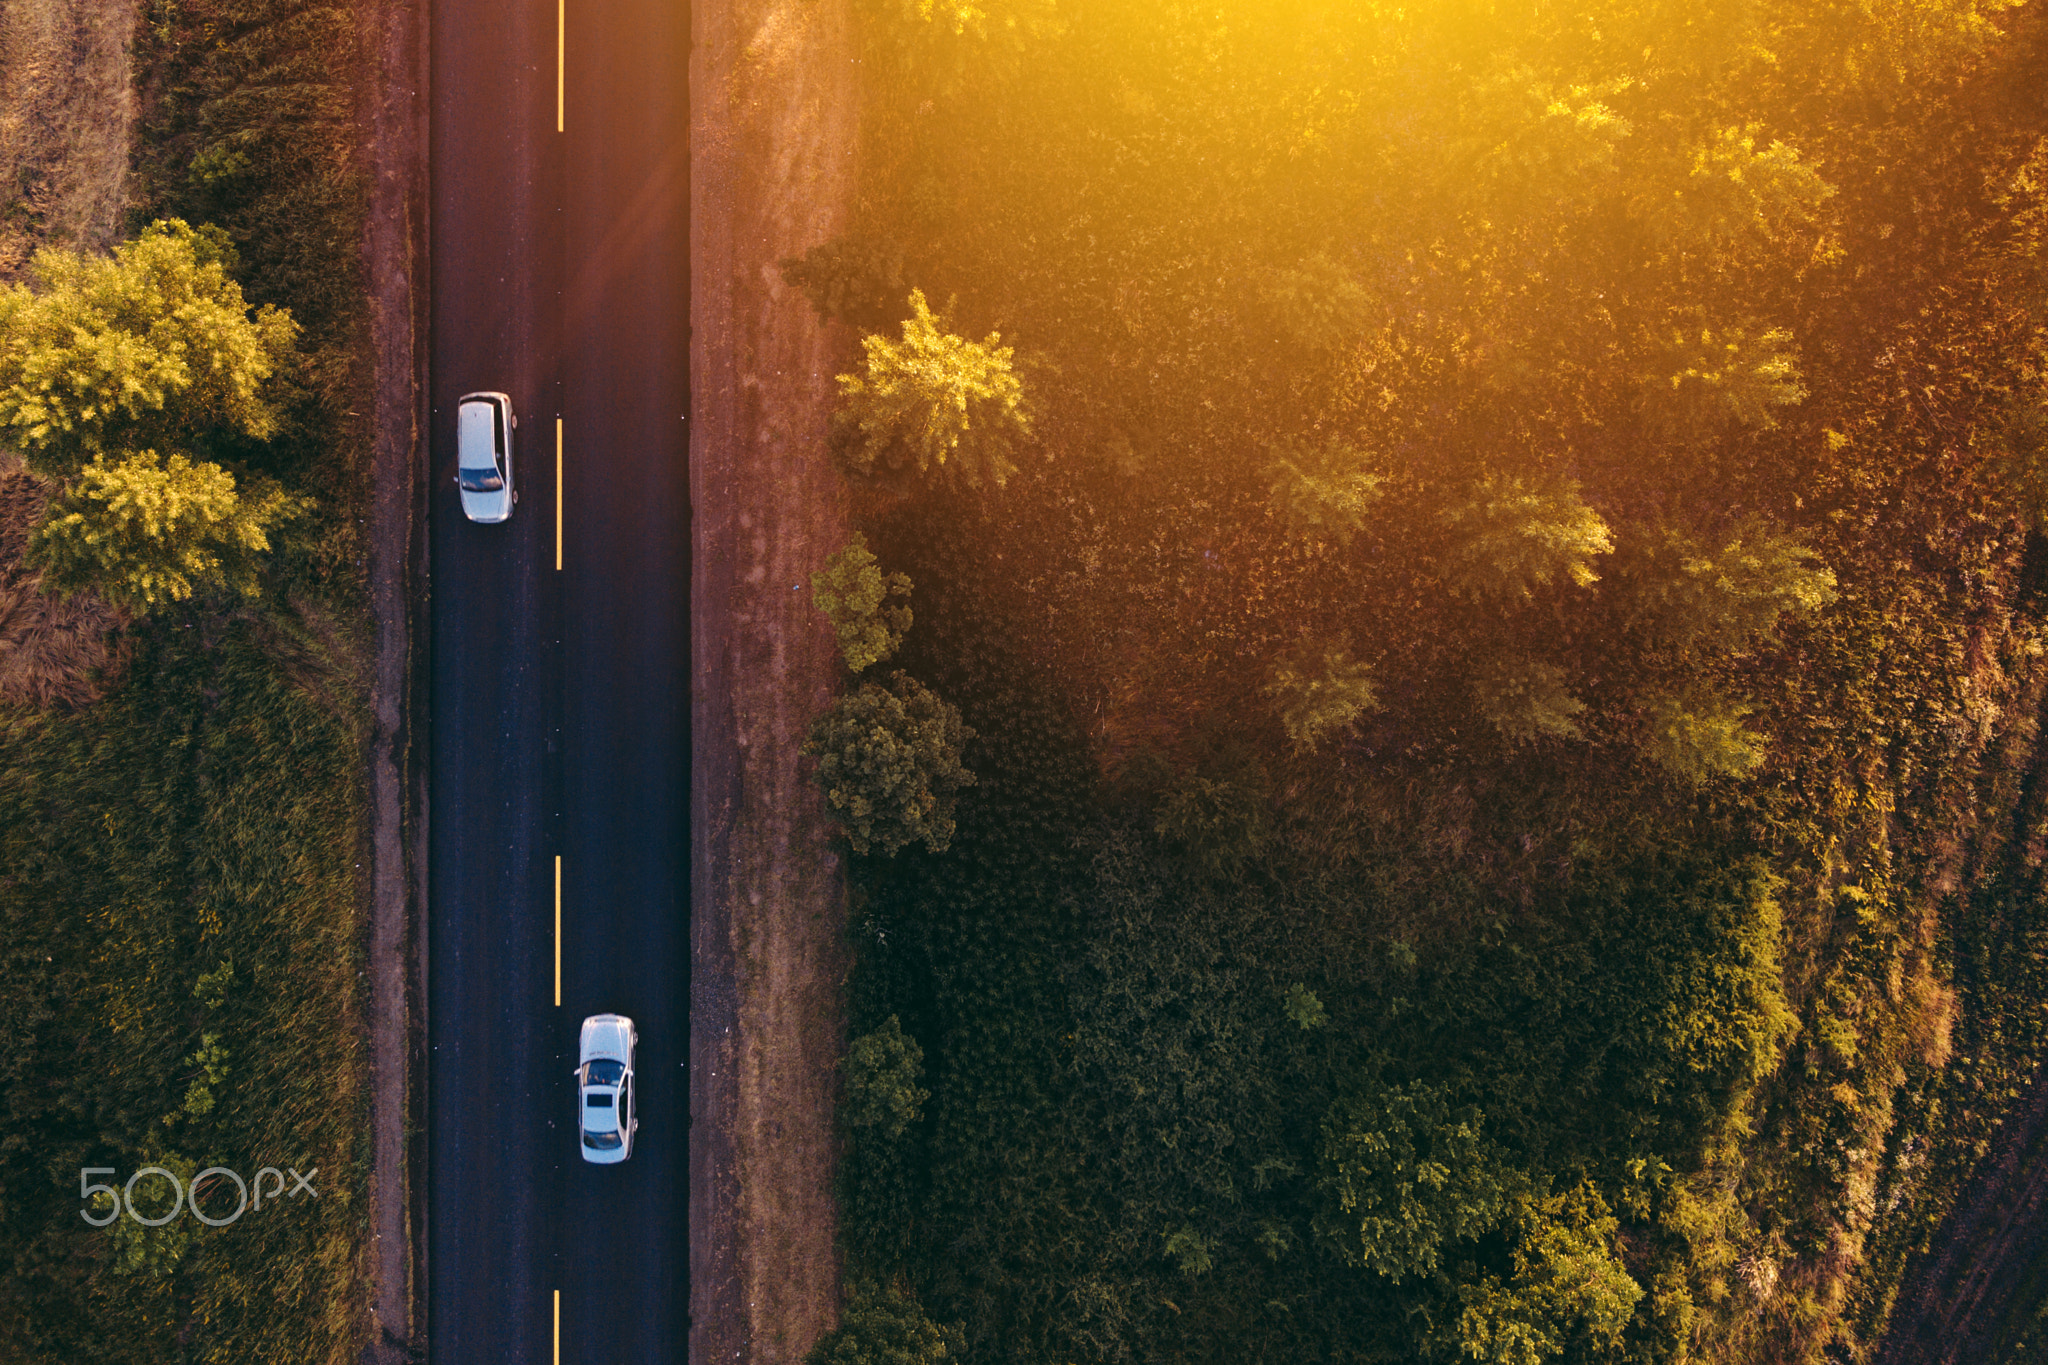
column 606, row 1072
column 604, row 1142
column 481, row 481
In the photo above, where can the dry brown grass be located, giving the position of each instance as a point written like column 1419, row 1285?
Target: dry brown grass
column 52, row 651
column 67, row 114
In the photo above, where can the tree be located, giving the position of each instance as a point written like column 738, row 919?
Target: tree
column 1324, row 491
column 855, row 596
column 1526, row 699
column 1217, row 811
column 934, row 402
column 1404, row 1175
column 1710, row 377
column 1700, row 736
column 148, row 531
column 1566, row 1279
column 882, row 1071
column 1320, row 688
column 889, row 764
column 1514, row 535
column 152, row 349
column 1723, row 599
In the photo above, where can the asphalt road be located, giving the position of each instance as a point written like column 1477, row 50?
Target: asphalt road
column 558, row 698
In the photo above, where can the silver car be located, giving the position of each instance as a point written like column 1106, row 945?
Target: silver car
column 604, row 1088
column 484, row 423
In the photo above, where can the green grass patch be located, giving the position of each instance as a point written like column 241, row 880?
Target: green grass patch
column 200, row 822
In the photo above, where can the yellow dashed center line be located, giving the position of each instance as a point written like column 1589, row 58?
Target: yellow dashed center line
column 561, row 17
column 558, row 494
column 558, row 1327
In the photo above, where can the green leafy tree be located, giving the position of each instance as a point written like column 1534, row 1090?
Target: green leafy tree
column 1319, row 305
column 1512, row 536
column 1190, row 1250
column 1303, row 1007
column 856, row 596
column 1700, row 736
column 212, row 1062
column 1724, row 599
column 889, row 764
column 934, row 402
column 153, row 348
column 1324, row 491
column 1567, row 1281
column 1217, row 813
column 1404, row 1175
column 1318, row 689
column 1713, row 376
column 1526, row 699
column 882, row 1071
column 885, row 1326
column 147, row 531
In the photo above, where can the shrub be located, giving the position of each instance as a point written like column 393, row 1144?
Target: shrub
column 1513, row 536
column 933, row 401
column 147, row 531
column 882, row 1071
column 884, row 1327
column 854, row 595
column 889, row 764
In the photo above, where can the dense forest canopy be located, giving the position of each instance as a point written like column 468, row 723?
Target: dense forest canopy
column 1489, row 563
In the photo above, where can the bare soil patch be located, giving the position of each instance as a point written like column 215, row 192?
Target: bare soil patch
column 53, row 651
column 774, row 97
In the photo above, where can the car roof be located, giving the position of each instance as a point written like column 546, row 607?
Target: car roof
column 475, row 442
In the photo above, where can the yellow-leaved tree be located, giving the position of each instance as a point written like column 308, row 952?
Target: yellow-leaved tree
column 115, row 374
column 934, row 401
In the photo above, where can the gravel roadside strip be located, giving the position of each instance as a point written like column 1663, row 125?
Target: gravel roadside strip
column 391, row 117
column 774, row 103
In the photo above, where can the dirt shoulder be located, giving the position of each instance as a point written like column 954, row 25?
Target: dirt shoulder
column 392, row 122
column 773, row 116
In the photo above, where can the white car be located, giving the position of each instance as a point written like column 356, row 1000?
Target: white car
column 484, row 423
column 604, row 1088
